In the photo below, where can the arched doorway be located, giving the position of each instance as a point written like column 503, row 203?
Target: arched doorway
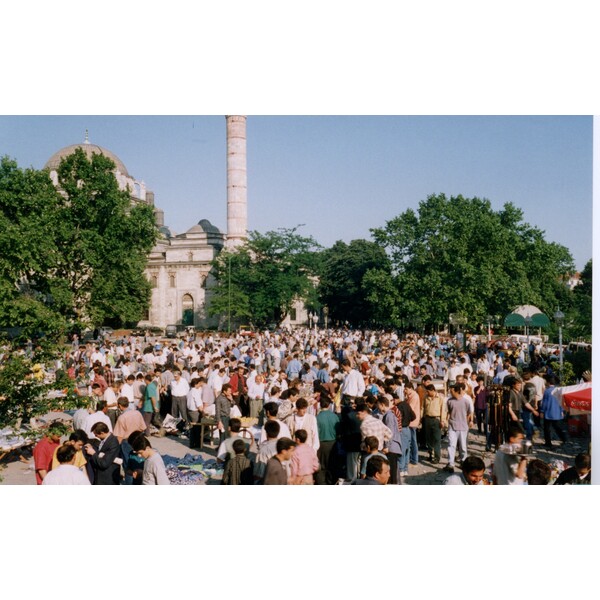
column 187, row 310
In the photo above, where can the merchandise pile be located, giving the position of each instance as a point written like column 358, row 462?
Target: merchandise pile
column 190, row 470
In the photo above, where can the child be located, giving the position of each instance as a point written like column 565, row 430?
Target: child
column 371, row 445
column 238, row 470
column 154, row 467
column 510, row 469
column 304, row 461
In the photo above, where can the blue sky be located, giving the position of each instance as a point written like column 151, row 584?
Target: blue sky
column 340, row 176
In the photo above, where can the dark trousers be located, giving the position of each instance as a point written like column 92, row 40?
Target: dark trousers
column 433, row 436
column 393, row 460
column 112, row 415
column 326, row 475
column 481, row 417
column 179, row 407
column 558, row 426
column 147, row 418
column 223, row 435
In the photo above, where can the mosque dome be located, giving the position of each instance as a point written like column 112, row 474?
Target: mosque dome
column 89, row 150
column 203, row 226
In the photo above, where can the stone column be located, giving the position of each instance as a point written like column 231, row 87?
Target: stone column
column 237, row 202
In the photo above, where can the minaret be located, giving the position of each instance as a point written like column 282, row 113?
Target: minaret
column 237, row 201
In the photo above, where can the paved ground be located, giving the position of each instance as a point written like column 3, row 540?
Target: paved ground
column 18, row 470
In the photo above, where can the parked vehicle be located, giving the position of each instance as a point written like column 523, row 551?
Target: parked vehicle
column 246, row 331
column 171, row 331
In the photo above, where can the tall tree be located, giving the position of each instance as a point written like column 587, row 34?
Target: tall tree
column 105, row 243
column 28, row 249
column 579, row 322
column 458, row 255
column 343, row 268
column 261, row 279
column 76, row 253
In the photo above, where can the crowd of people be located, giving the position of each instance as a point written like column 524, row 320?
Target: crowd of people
column 331, row 406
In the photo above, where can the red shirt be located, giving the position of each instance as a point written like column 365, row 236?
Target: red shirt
column 42, row 456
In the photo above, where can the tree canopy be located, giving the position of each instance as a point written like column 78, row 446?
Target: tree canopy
column 72, row 254
column 458, row 255
column 342, row 273
column 260, row 280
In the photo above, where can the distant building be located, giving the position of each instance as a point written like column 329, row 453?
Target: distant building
column 179, row 265
column 573, row 281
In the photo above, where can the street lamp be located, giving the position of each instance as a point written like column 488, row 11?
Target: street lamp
column 490, row 320
column 326, row 314
column 559, row 317
column 527, row 326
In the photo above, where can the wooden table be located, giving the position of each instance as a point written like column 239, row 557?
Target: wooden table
column 198, row 431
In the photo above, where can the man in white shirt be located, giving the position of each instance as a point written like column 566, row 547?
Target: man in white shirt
column 302, row 419
column 194, row 399
column 66, row 473
column 111, row 395
column 97, row 416
column 179, row 391
column 256, row 395
column 97, row 356
column 454, row 371
column 353, row 386
column 127, row 391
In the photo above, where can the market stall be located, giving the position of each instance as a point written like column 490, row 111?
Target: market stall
column 577, row 402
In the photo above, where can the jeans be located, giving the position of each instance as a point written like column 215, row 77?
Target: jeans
column 352, row 465
column 405, row 452
column 414, row 446
column 527, row 415
column 456, row 438
column 128, row 464
column 433, row 435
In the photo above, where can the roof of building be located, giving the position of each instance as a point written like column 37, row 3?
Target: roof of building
column 89, row 150
column 203, row 226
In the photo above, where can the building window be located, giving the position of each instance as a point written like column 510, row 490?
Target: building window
column 293, row 314
column 187, row 306
column 172, row 280
column 154, row 281
column 190, row 256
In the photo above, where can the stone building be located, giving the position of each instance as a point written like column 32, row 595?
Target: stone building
column 179, row 266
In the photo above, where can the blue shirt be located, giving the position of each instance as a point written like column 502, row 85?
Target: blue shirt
column 294, row 368
column 550, row 406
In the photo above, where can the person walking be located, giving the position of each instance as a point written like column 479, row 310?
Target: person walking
column 460, row 418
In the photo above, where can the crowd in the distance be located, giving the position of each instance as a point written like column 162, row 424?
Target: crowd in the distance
column 303, row 407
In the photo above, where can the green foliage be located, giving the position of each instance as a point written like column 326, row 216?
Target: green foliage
column 567, row 375
column 75, row 254
column 264, row 276
column 105, row 242
column 579, row 318
column 581, row 361
column 28, row 201
column 458, row 255
column 342, row 272
column 23, row 392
